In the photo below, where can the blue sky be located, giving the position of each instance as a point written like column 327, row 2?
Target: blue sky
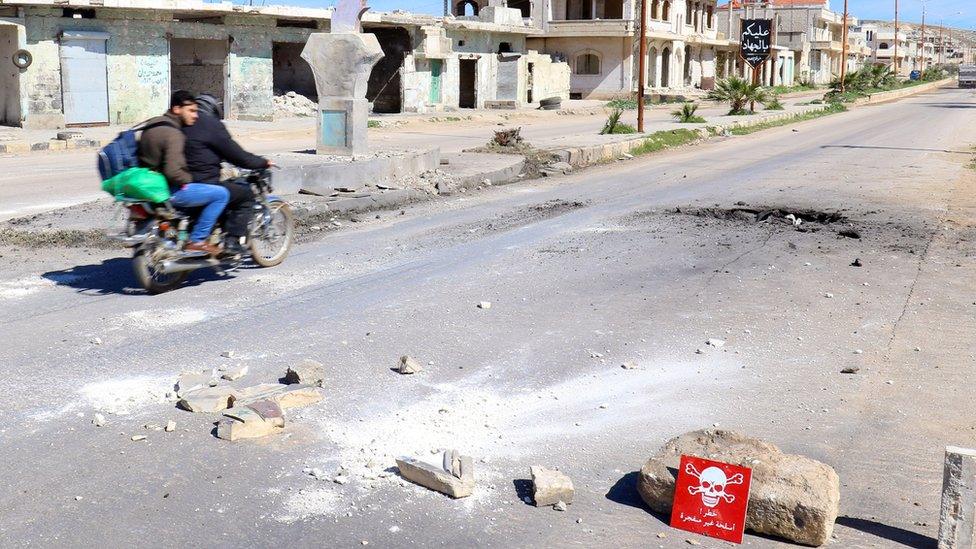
column 910, row 10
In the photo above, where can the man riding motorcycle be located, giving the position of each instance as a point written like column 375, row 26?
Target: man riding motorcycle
column 161, row 148
column 208, row 143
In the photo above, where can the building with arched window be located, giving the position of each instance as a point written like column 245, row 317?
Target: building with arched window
column 683, row 43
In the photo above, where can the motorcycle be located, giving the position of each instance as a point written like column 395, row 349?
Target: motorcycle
column 158, row 233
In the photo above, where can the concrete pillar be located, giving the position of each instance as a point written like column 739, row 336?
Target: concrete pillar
column 958, row 515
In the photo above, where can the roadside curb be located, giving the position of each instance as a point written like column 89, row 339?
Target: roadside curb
column 26, row 147
column 884, row 97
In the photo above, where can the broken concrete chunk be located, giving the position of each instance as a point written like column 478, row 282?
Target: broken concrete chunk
column 717, row 343
column 560, row 506
column 792, row 497
column 629, row 365
column 170, row 426
column 258, row 392
column 138, row 438
column 297, row 396
column 208, row 399
column 409, row 365
column 233, row 374
column 307, row 372
column 550, row 487
column 98, row 420
column 441, row 479
column 191, row 381
column 256, row 420
column 484, row 305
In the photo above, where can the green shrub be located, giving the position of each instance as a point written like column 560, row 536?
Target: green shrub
column 686, row 114
column 628, row 104
column 737, row 93
column 614, row 126
column 773, row 104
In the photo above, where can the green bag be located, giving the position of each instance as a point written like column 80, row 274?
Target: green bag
column 138, row 184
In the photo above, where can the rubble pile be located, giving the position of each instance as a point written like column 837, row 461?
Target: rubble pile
column 293, row 105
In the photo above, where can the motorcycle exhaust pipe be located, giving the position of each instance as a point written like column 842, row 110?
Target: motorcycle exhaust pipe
column 177, row 266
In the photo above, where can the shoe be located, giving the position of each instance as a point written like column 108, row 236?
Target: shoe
column 202, row 247
column 233, row 246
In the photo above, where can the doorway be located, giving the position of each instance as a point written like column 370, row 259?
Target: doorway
column 9, row 78
column 436, row 73
column 530, row 83
column 199, row 66
column 84, row 78
column 291, row 73
column 385, row 88
column 666, row 68
column 467, row 93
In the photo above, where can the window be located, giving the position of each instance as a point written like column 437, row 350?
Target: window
column 711, row 17
column 883, row 46
column 588, row 64
column 656, row 9
column 688, row 10
column 72, row 13
column 666, row 10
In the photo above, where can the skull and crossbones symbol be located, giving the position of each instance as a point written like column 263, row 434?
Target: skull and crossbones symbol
column 711, row 484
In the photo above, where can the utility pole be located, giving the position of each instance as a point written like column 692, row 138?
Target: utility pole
column 895, row 62
column 641, row 78
column 941, row 44
column 843, row 60
column 921, row 42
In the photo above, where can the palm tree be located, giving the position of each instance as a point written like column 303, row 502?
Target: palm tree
column 737, row 92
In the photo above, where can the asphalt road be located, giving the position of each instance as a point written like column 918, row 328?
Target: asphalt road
column 584, row 272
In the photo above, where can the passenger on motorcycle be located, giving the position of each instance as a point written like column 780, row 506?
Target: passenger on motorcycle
column 161, row 148
column 208, row 143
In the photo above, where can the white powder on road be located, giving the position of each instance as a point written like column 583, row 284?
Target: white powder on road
column 126, row 395
column 309, row 503
column 23, row 287
column 155, row 319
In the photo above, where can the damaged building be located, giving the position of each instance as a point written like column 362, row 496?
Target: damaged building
column 92, row 62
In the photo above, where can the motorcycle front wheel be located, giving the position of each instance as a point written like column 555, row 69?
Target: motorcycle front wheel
column 273, row 234
column 150, row 279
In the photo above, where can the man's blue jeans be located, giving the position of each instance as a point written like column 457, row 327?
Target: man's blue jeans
column 212, row 198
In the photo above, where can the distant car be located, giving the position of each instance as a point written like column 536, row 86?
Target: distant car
column 967, row 76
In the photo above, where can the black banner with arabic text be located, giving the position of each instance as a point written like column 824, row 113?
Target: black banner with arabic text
column 756, row 40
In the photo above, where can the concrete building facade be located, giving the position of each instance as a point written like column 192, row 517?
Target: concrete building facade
column 92, row 63
column 599, row 40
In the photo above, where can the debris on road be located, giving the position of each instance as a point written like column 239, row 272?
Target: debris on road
column 98, row 420
column 233, row 374
column 629, row 365
column 850, row 370
column 849, row 233
column 256, row 420
column 138, row 438
column 208, row 399
column 857, row 263
column 455, row 478
column 409, row 365
column 792, row 496
column 484, row 305
column 298, row 396
column 227, row 354
column 170, row 426
column 191, row 381
column 550, row 487
column 717, row 343
column 306, row 372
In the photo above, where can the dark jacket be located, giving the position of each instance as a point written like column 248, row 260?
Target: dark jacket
column 161, row 149
column 208, row 143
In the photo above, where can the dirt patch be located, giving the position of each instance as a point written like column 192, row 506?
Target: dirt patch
column 57, row 238
column 772, row 214
column 520, row 217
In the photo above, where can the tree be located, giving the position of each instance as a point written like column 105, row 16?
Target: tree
column 737, row 93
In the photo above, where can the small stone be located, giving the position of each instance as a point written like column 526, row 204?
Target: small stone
column 233, row 374
column 690, row 541
column 170, row 426
column 858, row 352
column 550, row 486
column 227, row 354
column 560, row 506
column 308, row 372
column 484, row 305
column 828, row 295
column 661, row 535
column 918, row 349
column 78, row 498
column 98, row 420
column 857, row 263
column 341, row 479
column 579, row 521
column 138, row 438
column 717, row 343
column 889, row 382
column 96, row 341
column 699, row 351
column 629, row 365
column 850, row 370
column 409, row 365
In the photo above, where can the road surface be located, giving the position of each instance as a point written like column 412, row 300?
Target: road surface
column 584, row 272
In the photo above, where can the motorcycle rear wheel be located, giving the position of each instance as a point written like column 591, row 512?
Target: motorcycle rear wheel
column 153, row 281
column 271, row 242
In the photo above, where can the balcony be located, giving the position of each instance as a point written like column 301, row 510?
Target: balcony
column 832, row 45
column 591, row 27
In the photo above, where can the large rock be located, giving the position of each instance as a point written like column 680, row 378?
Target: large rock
column 792, row 497
column 455, row 478
column 549, row 487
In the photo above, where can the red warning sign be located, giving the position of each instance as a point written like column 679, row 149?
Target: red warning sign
column 711, row 498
